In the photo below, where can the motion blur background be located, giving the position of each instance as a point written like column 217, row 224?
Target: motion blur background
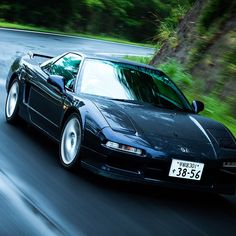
column 195, row 41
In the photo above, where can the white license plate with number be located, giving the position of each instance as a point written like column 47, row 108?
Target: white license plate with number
column 186, row 169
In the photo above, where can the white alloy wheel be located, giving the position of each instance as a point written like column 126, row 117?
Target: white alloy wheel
column 12, row 101
column 70, row 142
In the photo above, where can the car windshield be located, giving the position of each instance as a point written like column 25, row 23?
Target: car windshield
column 131, row 83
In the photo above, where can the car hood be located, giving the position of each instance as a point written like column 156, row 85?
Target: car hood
column 149, row 120
column 162, row 128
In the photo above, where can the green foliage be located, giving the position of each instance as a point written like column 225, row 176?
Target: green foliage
column 166, row 31
column 215, row 13
column 4, row 7
column 144, row 60
column 196, row 52
column 176, row 72
column 130, row 19
column 229, row 58
column 94, row 3
column 220, row 111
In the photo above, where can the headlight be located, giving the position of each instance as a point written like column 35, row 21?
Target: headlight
column 124, row 148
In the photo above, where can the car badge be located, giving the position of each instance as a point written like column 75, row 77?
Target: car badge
column 184, row 149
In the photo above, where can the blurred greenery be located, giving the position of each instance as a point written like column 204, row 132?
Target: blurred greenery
column 140, row 59
column 127, row 19
column 175, row 70
column 213, row 17
column 166, row 30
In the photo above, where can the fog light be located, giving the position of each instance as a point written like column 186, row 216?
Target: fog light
column 229, row 164
column 125, row 148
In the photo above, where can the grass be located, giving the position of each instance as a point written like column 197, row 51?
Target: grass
column 214, row 107
column 9, row 25
column 144, row 59
column 220, row 111
column 167, row 32
column 176, row 71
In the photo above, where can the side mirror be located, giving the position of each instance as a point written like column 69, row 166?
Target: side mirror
column 197, row 106
column 57, row 81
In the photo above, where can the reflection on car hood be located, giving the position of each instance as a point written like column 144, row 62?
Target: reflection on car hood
column 148, row 120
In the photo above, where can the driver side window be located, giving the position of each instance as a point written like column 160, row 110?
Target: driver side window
column 68, row 67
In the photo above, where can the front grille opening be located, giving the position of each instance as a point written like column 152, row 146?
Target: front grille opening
column 156, row 169
column 125, row 164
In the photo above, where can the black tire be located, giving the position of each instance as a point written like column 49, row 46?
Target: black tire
column 70, row 143
column 12, row 103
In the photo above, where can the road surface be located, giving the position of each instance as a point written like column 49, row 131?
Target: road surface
column 38, row 197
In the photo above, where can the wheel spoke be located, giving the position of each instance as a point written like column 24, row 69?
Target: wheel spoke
column 70, row 142
column 12, row 99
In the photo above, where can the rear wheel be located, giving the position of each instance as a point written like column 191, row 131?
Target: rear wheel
column 70, row 143
column 12, row 103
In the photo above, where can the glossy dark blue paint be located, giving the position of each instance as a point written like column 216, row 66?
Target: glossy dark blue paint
column 160, row 133
column 57, row 81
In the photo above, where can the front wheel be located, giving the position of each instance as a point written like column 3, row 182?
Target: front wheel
column 70, row 143
column 12, row 103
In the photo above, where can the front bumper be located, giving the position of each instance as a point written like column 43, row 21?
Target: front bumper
column 126, row 167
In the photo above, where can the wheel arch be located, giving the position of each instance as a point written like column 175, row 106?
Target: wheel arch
column 13, row 76
column 68, row 113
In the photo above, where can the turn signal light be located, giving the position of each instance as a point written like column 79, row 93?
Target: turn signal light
column 229, row 164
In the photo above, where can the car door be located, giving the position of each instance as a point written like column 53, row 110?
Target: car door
column 45, row 100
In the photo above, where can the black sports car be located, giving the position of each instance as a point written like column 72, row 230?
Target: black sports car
column 122, row 120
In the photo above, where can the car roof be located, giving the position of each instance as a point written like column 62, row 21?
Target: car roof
column 114, row 59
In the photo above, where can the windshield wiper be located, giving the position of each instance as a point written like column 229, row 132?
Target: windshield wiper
column 171, row 108
column 181, row 109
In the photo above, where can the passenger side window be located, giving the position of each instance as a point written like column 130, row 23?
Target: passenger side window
column 168, row 91
column 68, row 67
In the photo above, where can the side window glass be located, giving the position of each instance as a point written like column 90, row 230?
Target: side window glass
column 68, row 67
column 166, row 91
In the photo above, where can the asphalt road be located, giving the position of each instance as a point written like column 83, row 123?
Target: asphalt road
column 38, row 197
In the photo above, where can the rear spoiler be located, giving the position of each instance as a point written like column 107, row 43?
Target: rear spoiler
column 32, row 55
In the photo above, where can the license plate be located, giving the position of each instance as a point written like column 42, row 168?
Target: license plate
column 186, row 169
